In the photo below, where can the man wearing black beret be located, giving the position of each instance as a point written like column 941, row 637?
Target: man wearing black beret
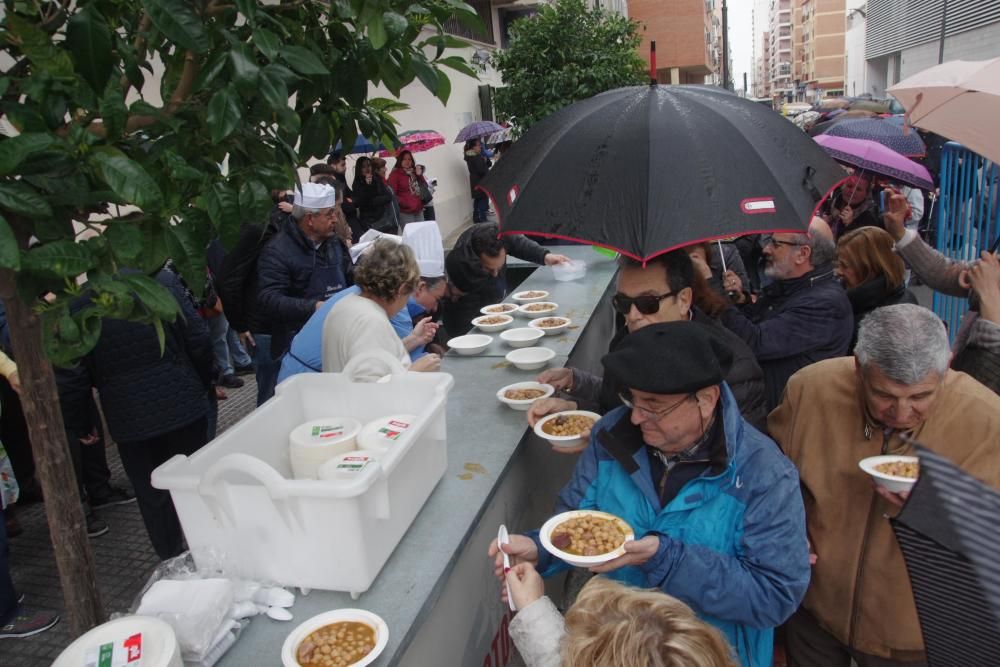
column 715, row 507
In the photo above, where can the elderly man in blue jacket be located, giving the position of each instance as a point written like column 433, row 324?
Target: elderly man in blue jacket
column 715, row 507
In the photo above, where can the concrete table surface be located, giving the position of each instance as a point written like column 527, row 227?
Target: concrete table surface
column 483, row 435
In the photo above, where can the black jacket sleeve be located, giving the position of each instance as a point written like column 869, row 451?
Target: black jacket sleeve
column 274, row 284
column 237, row 268
column 191, row 330
column 524, row 248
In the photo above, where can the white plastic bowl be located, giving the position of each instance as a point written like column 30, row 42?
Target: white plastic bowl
column 550, row 309
column 545, row 535
column 551, row 331
column 563, row 440
column 528, row 296
column 291, row 645
column 508, row 309
column 525, row 403
column 470, row 344
column 523, row 337
column 892, row 483
column 530, row 358
column 480, row 324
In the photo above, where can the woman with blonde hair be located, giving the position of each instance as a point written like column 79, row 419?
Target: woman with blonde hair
column 387, row 274
column 871, row 272
column 610, row 625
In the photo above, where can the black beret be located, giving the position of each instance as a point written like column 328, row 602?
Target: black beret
column 670, row 358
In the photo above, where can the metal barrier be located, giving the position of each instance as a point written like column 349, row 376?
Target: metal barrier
column 968, row 217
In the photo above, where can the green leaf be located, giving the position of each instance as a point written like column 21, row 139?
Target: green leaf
column 127, row 178
column 386, row 105
column 303, row 61
column 245, row 69
column 211, row 71
column 444, row 87
column 65, row 259
column 273, row 88
column 126, row 241
column 178, row 23
column 113, row 111
column 179, row 168
column 395, row 25
column 223, row 207
column 267, row 42
column 376, row 33
column 459, row 65
column 10, row 253
column 160, row 336
column 315, row 141
column 224, row 113
column 14, row 150
column 88, row 39
column 255, row 201
column 426, row 74
column 23, row 200
column 154, row 247
column 155, row 297
column 248, row 8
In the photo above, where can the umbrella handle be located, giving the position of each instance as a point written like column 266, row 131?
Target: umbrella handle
column 809, row 185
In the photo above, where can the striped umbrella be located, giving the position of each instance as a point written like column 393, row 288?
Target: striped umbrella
column 947, row 533
column 477, row 130
column 416, row 141
column 885, row 132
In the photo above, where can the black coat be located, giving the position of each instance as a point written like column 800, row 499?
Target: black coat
column 875, row 294
column 479, row 288
column 236, row 283
column 145, row 393
column 745, row 377
column 478, row 168
column 793, row 324
column 284, row 271
column 371, row 200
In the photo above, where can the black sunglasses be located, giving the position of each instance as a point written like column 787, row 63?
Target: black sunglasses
column 647, row 304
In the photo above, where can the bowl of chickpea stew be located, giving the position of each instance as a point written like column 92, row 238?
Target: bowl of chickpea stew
column 585, row 538
column 339, row 638
column 892, row 472
column 563, row 429
column 520, row 395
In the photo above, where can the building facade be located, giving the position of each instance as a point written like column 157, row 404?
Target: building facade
column 780, row 50
column 903, row 37
column 822, row 49
column 688, row 39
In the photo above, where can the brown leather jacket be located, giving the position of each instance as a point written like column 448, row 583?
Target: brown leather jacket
column 860, row 591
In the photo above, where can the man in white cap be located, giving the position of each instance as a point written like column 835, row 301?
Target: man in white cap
column 305, row 354
column 302, row 266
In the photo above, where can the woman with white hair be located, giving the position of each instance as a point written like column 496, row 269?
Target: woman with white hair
column 387, row 274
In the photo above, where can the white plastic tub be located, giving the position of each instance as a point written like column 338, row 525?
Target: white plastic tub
column 236, row 495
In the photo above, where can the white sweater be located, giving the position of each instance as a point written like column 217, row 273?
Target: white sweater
column 354, row 326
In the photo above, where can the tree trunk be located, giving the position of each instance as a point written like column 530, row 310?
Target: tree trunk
column 67, row 526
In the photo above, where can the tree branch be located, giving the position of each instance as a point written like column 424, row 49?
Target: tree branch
column 217, row 10
column 139, row 46
column 186, row 83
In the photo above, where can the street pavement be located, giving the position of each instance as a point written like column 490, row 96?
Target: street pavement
column 124, row 556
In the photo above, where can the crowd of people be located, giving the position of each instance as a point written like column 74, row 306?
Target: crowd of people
column 744, row 383
column 737, row 404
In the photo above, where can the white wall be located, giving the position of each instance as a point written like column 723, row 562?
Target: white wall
column 855, row 67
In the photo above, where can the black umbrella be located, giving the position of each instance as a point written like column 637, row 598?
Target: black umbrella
column 947, row 532
column 647, row 169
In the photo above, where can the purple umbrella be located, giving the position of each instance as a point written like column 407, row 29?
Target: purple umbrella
column 477, row 130
column 884, row 132
column 876, row 158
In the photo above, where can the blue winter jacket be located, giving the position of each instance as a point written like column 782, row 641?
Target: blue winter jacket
column 732, row 545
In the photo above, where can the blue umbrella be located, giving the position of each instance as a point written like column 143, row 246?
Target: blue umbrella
column 361, row 145
column 477, row 130
column 883, row 131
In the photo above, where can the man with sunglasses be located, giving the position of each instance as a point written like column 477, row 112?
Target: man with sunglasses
column 660, row 291
column 802, row 317
column 715, row 508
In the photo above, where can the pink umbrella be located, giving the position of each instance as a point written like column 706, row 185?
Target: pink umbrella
column 416, row 141
column 876, row 158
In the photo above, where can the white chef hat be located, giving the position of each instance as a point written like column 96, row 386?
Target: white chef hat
column 316, row 196
column 424, row 238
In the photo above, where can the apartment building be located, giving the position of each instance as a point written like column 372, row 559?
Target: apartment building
column 780, row 49
column 688, row 37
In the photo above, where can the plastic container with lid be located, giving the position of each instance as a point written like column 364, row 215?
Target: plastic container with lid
column 317, row 441
column 126, row 641
column 385, row 433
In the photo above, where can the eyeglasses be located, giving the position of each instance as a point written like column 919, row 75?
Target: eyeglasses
column 769, row 239
column 647, row 304
column 629, row 403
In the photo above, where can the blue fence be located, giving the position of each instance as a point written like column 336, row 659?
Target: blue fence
column 968, row 217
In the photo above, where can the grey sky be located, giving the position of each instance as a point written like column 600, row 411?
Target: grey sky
column 741, row 40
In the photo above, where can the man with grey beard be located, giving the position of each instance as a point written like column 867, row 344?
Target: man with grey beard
column 802, row 317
